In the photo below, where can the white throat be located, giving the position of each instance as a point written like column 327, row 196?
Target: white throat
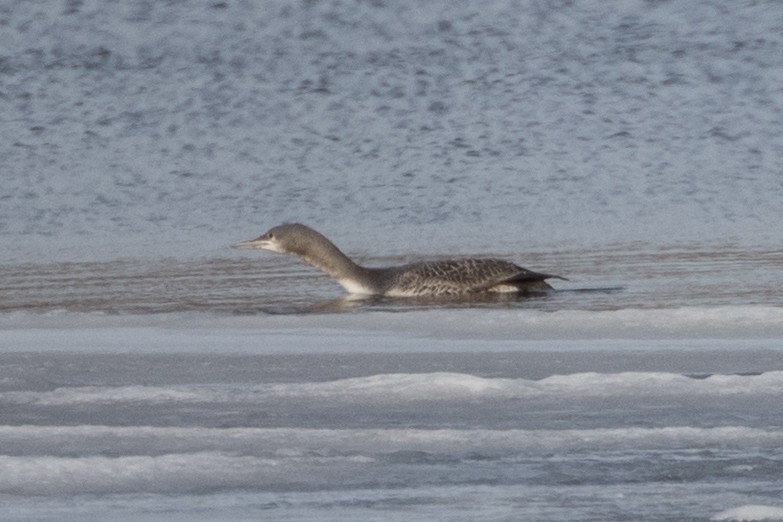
column 273, row 246
column 354, row 287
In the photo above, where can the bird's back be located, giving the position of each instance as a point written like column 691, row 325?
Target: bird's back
column 463, row 276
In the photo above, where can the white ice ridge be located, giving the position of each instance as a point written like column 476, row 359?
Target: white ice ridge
column 683, row 322
column 439, row 386
column 43, row 460
column 750, row 513
column 95, row 440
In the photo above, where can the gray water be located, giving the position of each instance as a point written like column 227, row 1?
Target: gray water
column 148, row 372
column 628, row 276
column 446, row 128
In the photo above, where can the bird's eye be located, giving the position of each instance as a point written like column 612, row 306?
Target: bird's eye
column 270, row 236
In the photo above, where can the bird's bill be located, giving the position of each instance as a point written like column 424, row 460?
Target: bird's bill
column 250, row 244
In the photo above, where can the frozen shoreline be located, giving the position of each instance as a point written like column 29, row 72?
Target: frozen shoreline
column 430, row 330
column 333, row 416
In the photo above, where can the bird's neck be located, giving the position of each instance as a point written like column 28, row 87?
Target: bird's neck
column 325, row 256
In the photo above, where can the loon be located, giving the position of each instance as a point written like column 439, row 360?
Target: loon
column 454, row 277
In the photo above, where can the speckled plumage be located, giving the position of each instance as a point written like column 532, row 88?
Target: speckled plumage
column 453, row 277
column 464, row 276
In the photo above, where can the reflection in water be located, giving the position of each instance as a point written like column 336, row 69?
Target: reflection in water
column 390, row 304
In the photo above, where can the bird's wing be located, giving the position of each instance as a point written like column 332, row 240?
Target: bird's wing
column 461, row 276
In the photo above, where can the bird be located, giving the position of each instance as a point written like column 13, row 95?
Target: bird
column 461, row 277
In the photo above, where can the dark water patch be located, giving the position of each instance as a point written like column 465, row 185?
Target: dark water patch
column 621, row 276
